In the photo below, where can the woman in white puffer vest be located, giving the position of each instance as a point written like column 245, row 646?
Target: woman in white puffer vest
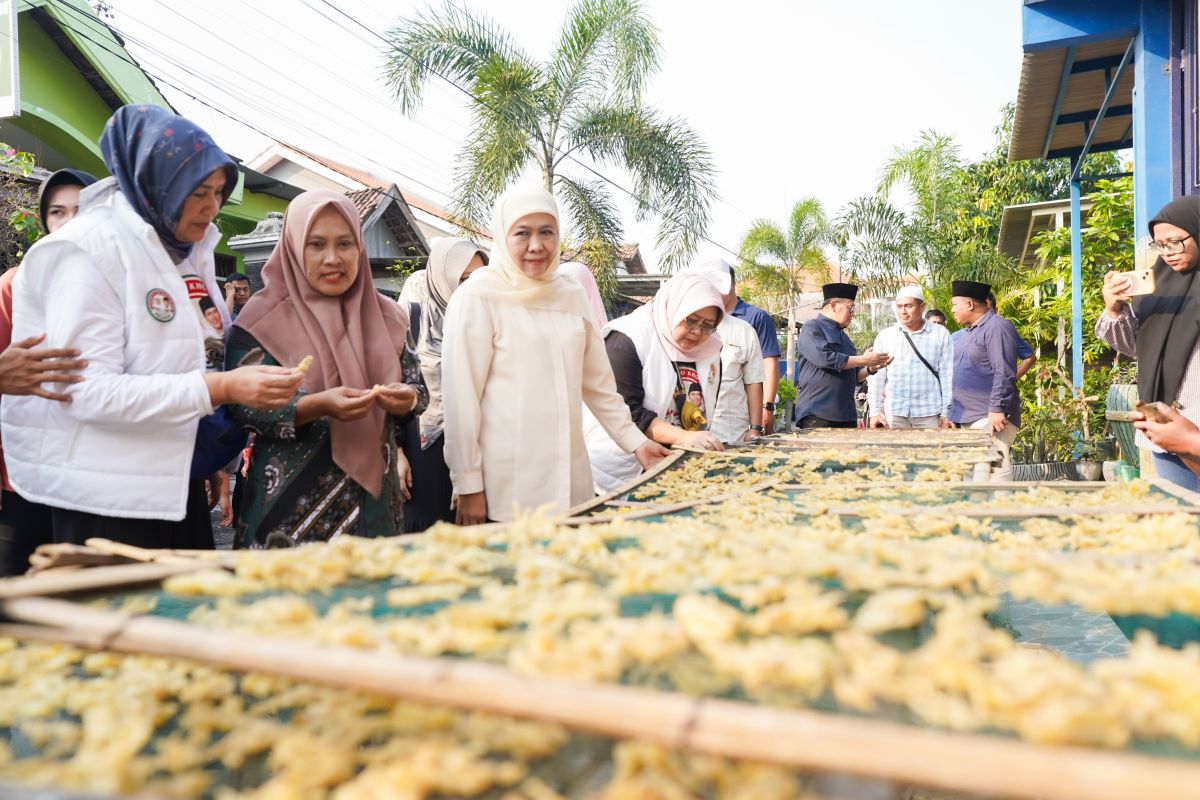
column 121, row 283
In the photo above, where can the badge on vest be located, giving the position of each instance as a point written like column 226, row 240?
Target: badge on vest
column 160, row 305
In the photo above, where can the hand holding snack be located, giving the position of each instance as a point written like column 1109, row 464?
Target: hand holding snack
column 397, row 399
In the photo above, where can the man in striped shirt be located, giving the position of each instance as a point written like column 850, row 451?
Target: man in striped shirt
column 914, row 390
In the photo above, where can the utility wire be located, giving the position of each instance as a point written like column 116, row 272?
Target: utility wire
column 248, row 98
column 274, row 69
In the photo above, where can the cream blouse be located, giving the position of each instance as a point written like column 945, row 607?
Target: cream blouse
column 515, row 380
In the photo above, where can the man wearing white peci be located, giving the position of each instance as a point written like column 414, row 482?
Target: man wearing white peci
column 914, row 390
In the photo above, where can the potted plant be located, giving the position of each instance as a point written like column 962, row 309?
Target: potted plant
column 1055, row 441
column 1120, row 403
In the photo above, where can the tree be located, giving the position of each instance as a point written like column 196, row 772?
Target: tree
column 585, row 100
column 18, row 205
column 778, row 259
column 883, row 247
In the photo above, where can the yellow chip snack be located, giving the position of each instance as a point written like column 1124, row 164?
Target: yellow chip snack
column 305, row 363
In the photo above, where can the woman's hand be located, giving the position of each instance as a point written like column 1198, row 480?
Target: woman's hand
column 258, row 387
column 397, row 399
column 650, row 453
column 23, row 370
column 1177, row 435
column 404, row 473
column 472, row 509
column 345, row 404
column 701, row 440
column 1116, row 291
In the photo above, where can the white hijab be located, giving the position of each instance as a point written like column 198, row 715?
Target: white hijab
column 448, row 260
column 502, row 279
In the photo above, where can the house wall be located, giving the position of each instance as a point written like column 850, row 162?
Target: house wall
column 62, row 115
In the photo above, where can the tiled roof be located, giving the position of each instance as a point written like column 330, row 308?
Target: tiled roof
column 366, row 201
column 629, row 254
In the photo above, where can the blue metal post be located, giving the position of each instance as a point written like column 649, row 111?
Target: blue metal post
column 1076, row 282
column 1152, row 113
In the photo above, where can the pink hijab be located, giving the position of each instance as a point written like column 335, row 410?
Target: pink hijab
column 584, row 277
column 356, row 339
column 678, row 298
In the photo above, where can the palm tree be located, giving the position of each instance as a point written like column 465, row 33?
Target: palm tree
column 778, row 259
column 584, row 101
column 884, row 247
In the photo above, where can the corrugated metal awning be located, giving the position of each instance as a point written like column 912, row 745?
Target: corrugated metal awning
column 1061, row 93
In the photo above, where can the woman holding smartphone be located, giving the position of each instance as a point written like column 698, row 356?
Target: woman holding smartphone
column 1162, row 331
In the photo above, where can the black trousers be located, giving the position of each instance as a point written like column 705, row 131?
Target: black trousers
column 432, row 488
column 193, row 532
column 23, row 526
column 816, row 422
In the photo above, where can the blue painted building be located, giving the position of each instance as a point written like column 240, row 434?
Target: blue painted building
column 1103, row 75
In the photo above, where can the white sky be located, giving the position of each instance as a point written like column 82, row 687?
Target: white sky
column 795, row 98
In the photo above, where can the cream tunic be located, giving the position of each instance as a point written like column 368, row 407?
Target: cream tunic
column 514, row 382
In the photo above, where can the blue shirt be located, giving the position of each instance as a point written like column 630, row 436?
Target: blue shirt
column 763, row 325
column 1024, row 349
column 826, row 387
column 985, row 373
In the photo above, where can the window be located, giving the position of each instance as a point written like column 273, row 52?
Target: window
column 226, row 265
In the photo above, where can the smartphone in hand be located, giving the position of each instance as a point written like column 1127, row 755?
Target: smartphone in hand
column 1155, row 412
column 1141, row 281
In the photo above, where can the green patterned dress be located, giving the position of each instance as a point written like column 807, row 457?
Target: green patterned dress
column 295, row 493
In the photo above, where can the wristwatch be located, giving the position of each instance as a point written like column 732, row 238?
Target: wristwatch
column 769, row 407
column 758, row 428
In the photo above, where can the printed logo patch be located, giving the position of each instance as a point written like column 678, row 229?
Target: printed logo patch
column 160, row 305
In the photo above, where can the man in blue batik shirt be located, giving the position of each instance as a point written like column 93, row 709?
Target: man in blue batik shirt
column 830, row 367
column 985, row 376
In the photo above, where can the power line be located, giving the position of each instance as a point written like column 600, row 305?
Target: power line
column 211, row 105
column 436, row 166
column 247, row 97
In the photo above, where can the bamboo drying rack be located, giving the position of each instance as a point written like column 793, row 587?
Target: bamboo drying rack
column 800, row 739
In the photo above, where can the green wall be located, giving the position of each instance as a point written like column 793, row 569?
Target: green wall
column 60, row 108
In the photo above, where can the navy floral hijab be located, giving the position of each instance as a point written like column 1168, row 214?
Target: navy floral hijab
column 159, row 159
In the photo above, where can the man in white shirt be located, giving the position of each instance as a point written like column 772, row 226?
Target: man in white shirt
column 914, row 390
column 738, row 413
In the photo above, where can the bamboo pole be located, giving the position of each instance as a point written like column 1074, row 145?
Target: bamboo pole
column 1018, row 513
column 966, row 486
column 652, row 510
column 1175, row 490
column 657, row 469
column 799, row 739
column 94, row 579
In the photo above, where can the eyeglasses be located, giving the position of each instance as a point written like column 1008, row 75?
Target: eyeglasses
column 1172, row 246
column 697, row 326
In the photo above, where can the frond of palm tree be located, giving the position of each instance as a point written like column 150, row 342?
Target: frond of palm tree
column 601, row 39
column 930, row 170
column 585, row 99
column 672, row 171
column 447, row 42
column 597, row 225
column 494, row 155
column 876, row 244
column 807, row 225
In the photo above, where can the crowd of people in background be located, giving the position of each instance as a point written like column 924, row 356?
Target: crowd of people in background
column 136, row 386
